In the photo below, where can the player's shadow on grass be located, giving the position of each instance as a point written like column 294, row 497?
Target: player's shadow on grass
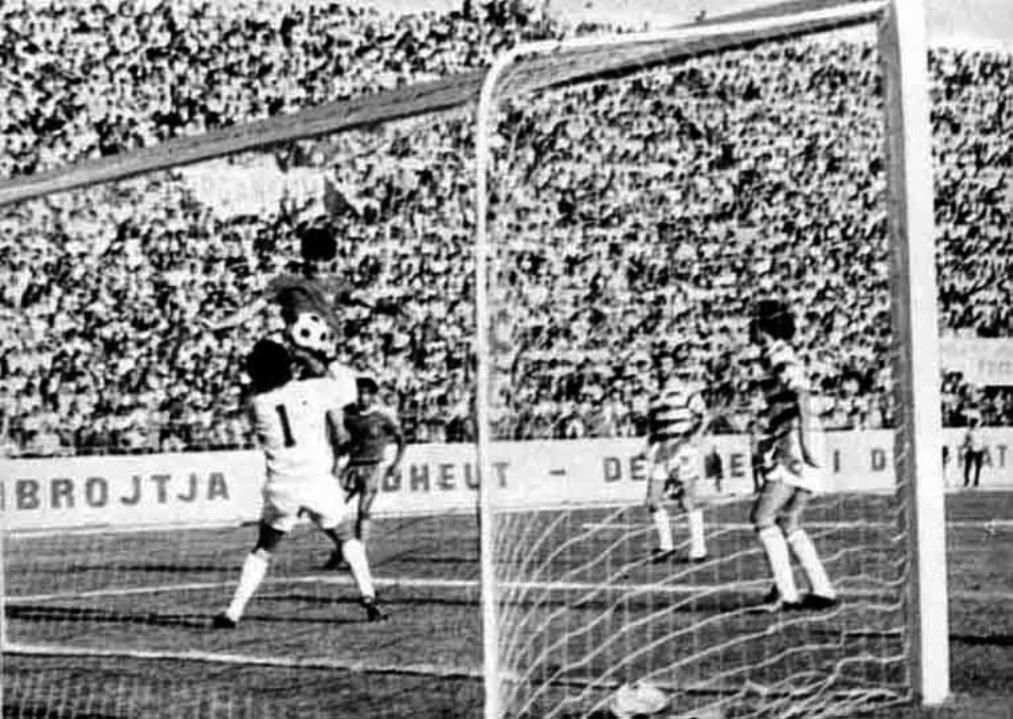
column 32, row 711
column 147, row 568
column 996, row 640
column 384, row 598
column 414, row 557
column 40, row 613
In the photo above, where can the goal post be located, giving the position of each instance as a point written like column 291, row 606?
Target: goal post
column 513, row 533
column 911, row 216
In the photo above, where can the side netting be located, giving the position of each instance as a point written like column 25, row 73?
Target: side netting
column 131, row 483
column 632, row 212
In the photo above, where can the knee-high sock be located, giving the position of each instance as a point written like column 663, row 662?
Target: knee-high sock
column 663, row 523
column 254, row 569
column 776, row 549
column 805, row 552
column 697, row 545
column 355, row 555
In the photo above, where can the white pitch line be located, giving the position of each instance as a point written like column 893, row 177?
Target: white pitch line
column 986, row 524
column 245, row 659
column 752, row 586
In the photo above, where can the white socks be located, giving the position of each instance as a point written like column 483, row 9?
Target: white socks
column 355, row 555
column 663, row 523
column 254, row 569
column 776, row 549
column 805, row 552
column 697, row 546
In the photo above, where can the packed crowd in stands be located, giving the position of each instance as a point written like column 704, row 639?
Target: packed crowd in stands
column 642, row 217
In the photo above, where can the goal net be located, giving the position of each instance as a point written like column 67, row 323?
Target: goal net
column 638, row 196
column 132, row 485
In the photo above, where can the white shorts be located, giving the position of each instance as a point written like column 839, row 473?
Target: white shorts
column 675, row 468
column 784, row 463
column 321, row 501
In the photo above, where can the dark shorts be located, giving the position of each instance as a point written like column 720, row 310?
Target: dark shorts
column 365, row 478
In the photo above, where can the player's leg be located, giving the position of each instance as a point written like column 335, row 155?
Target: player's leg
column 336, row 560
column 695, row 521
column 823, row 593
column 690, row 469
column 354, row 553
column 773, row 496
column 979, row 461
column 369, row 487
column 351, row 483
column 253, row 572
column 329, row 513
column 657, row 481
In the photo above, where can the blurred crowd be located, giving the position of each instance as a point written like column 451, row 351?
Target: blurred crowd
column 631, row 220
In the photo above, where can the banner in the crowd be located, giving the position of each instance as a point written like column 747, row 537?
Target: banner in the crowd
column 253, row 187
column 224, row 487
column 982, row 361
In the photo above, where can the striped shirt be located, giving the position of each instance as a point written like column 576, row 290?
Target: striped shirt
column 673, row 411
column 784, row 381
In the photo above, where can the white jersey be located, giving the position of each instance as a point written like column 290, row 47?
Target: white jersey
column 292, row 428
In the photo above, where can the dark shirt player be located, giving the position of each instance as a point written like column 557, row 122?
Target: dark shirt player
column 370, row 428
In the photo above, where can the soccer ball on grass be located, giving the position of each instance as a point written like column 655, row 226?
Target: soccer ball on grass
column 638, row 699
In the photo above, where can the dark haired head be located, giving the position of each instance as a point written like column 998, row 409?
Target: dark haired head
column 317, row 244
column 269, row 366
column 773, row 318
column 367, row 384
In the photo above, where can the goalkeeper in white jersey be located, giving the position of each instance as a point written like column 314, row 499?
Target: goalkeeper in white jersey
column 677, row 416
column 295, row 422
column 790, row 451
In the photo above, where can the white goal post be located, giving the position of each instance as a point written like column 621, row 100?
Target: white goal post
column 903, row 57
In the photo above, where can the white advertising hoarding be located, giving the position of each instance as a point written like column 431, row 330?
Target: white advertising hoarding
column 224, row 487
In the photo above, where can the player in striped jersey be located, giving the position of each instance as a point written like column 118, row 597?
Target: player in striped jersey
column 676, row 421
column 791, row 455
column 295, row 421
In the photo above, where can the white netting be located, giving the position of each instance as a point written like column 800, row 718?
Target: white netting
column 131, row 481
column 633, row 221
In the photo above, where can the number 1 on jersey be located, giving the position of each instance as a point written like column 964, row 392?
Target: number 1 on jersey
column 286, row 428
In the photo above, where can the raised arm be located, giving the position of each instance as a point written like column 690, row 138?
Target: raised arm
column 807, row 427
column 241, row 316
